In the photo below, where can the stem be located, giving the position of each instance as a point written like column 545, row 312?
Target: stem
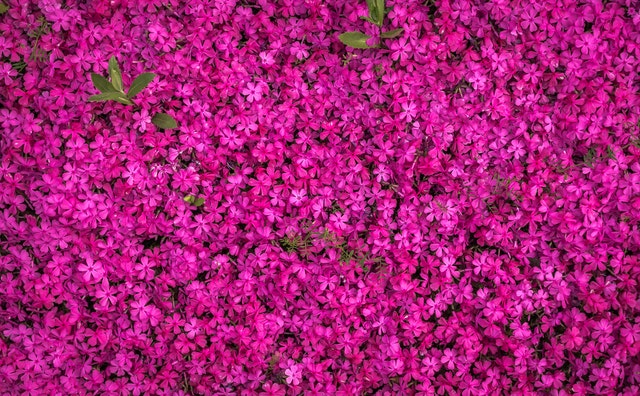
column 34, row 49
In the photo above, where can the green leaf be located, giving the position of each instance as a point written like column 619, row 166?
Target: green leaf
column 164, row 121
column 3, row 8
column 380, row 12
column 19, row 66
column 355, row 39
column 116, row 75
column 101, row 83
column 140, row 83
column 117, row 96
column 124, row 100
column 371, row 5
column 192, row 200
column 392, row 33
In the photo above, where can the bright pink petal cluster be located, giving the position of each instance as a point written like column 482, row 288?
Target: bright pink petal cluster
column 473, row 190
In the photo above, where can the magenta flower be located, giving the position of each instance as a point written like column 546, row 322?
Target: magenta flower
column 253, row 92
column 7, row 73
column 455, row 212
column 298, row 197
column 91, row 270
column 293, row 374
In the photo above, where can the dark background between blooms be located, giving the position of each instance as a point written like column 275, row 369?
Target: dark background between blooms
column 484, row 166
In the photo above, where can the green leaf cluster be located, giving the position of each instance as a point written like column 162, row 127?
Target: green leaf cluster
column 377, row 12
column 114, row 90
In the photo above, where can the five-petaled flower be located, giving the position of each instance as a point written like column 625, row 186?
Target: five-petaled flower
column 91, row 270
column 253, row 92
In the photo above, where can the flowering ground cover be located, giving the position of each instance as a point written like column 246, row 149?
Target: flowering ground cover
column 453, row 212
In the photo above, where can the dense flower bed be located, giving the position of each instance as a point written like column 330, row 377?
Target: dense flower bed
column 456, row 213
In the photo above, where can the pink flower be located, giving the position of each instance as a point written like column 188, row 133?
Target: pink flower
column 253, row 92
column 106, row 293
column 142, row 120
column 297, row 197
column 293, row 374
column 91, row 270
column 7, row 73
column 455, row 212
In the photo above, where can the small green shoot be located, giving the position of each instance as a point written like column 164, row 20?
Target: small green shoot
column 114, row 90
column 590, row 157
column 197, row 202
column 3, row 8
column 19, row 66
column 37, row 53
column 377, row 12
